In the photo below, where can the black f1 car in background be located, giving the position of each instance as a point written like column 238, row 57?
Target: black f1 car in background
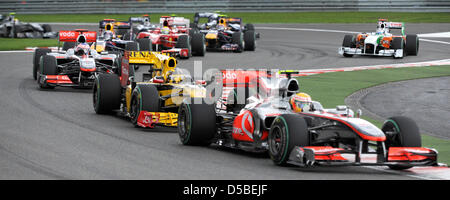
column 226, row 33
column 265, row 122
column 114, row 37
column 11, row 27
column 75, row 67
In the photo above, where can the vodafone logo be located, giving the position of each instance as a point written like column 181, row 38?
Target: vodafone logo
column 90, row 34
column 67, row 34
column 229, row 76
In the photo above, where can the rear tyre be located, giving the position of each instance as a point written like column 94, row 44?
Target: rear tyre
column 183, row 42
column 106, row 93
column 405, row 134
column 145, row 44
column 196, row 123
column 47, row 28
column 132, row 46
column 68, row 45
column 238, row 38
column 348, row 42
column 250, row 27
column 38, row 53
column 144, row 98
column 412, row 45
column 198, row 44
column 286, row 132
column 250, row 40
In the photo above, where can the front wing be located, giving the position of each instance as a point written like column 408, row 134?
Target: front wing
column 327, row 155
column 151, row 119
column 385, row 52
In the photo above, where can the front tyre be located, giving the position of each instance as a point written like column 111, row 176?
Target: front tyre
column 398, row 44
column 401, row 132
column 348, row 42
column 144, row 98
column 286, row 132
column 38, row 53
column 48, row 66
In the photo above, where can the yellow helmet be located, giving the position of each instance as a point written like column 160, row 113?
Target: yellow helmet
column 165, row 30
column 299, row 102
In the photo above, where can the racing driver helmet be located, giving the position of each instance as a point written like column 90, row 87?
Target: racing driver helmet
column 300, row 102
column 165, row 30
column 82, row 49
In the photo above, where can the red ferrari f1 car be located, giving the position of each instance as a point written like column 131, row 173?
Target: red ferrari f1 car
column 265, row 121
column 174, row 36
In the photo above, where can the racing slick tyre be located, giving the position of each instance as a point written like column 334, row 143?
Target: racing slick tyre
column 348, row 42
column 198, row 44
column 196, row 123
column 286, row 132
column 398, row 43
column 106, row 93
column 401, row 132
column 132, row 46
column 250, row 40
column 183, row 42
column 48, row 66
column 412, row 45
column 68, row 45
column 144, row 98
column 47, row 28
column 38, row 53
column 238, row 38
column 145, row 44
column 250, row 27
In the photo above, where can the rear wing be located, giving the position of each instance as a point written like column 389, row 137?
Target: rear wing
column 395, row 25
column 234, row 20
column 72, row 36
column 198, row 16
column 241, row 78
column 116, row 24
column 162, row 64
column 140, row 20
column 175, row 21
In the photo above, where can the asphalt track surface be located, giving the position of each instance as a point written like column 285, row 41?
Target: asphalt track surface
column 55, row 134
column 424, row 100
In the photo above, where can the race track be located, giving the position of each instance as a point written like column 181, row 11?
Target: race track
column 55, row 134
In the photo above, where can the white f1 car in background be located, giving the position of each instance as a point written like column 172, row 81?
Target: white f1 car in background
column 382, row 42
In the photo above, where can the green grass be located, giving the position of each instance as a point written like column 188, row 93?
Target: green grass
column 261, row 17
column 21, row 43
column 332, row 88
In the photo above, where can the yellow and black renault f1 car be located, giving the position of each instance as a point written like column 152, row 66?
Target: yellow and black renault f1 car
column 155, row 100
